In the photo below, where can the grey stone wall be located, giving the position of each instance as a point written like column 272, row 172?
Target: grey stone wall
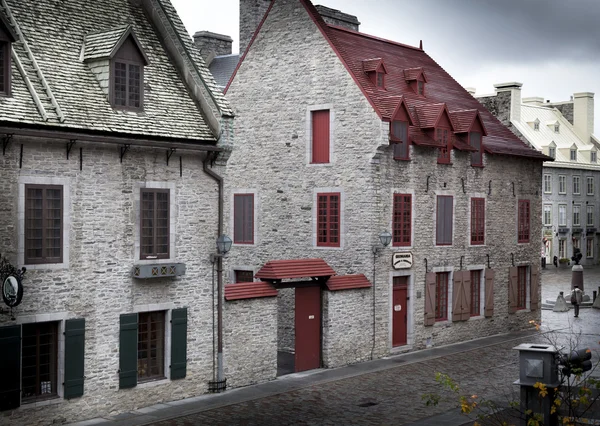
column 271, row 159
column 286, row 328
column 336, row 17
column 250, row 339
column 566, row 109
column 251, row 13
column 95, row 284
column 499, row 106
column 212, row 44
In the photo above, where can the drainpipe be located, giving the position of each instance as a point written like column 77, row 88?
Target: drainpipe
column 219, row 260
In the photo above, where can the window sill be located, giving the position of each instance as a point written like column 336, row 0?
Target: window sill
column 477, row 166
column 152, row 383
column 35, row 404
column 328, row 248
column 153, row 261
column 46, row 266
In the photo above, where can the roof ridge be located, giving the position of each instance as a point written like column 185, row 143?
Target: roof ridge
column 385, row 40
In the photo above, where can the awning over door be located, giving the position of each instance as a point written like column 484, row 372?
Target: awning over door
column 296, row 268
column 347, row 282
column 250, row 290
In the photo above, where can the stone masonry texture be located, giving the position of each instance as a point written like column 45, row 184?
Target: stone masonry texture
column 276, row 86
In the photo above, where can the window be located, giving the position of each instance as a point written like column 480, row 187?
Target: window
column 443, row 138
column 557, row 128
column 39, row 361
column 593, row 156
column 477, row 221
column 562, row 215
column 243, row 276
column 441, row 296
column 562, row 248
column 590, row 215
column 320, row 136
column 547, row 184
column 5, row 67
column 547, row 214
column 576, row 215
column 43, row 224
column 576, row 185
column 151, row 346
column 399, row 137
column 577, row 243
column 590, row 185
column 128, row 79
column 402, row 220
column 475, row 292
column 154, row 224
column 589, row 247
column 243, row 218
column 573, row 155
column 421, row 87
column 380, row 80
column 476, row 156
column 444, row 220
column 328, row 220
column 562, row 184
column 523, row 221
column 522, row 287
column 552, row 152
column 536, row 125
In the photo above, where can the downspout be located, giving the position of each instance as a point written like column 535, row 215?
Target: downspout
column 219, row 260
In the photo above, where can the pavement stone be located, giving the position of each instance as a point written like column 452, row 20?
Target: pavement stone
column 389, row 391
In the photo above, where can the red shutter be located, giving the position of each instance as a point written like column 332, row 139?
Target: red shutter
column 477, row 221
column 535, row 288
column 430, row 298
column 243, row 218
column 523, row 226
column 513, row 289
column 444, row 220
column 489, row 293
column 320, row 136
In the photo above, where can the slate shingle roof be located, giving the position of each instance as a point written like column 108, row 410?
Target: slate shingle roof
column 102, row 44
column 222, row 68
column 55, row 32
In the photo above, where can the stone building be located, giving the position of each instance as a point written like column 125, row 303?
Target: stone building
column 345, row 141
column 569, row 186
column 110, row 123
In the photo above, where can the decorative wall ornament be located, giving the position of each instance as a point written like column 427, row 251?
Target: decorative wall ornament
column 12, row 286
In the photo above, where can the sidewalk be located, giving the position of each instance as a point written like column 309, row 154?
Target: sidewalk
column 292, row 382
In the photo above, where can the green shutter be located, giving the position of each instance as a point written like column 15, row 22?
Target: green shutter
column 10, row 367
column 178, row 343
column 128, row 338
column 74, row 357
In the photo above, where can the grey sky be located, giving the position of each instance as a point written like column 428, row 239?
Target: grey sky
column 551, row 46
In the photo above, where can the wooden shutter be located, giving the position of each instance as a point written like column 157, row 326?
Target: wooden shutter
column 178, row 343
column 535, row 288
column 513, row 288
column 430, row 298
column 457, row 288
column 466, row 295
column 74, row 357
column 444, row 220
column 10, row 367
column 128, row 351
column 320, row 136
column 489, row 293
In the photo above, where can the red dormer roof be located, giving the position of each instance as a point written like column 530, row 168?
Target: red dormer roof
column 296, row 268
column 467, row 120
column 411, row 74
column 374, row 64
column 431, row 115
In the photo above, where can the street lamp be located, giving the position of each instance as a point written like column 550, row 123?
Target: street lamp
column 224, row 244
column 385, row 238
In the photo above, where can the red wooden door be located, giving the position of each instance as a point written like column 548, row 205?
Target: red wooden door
column 399, row 311
column 308, row 328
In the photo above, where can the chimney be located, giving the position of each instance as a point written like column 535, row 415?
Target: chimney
column 336, row 17
column 583, row 115
column 251, row 14
column 513, row 91
column 212, row 44
column 471, row 90
column 533, row 100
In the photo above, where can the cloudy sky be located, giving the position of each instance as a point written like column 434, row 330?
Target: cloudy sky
column 551, row 46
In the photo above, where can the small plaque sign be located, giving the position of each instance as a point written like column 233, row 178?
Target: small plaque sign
column 402, row 260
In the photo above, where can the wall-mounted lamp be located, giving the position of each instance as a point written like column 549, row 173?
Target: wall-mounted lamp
column 223, row 244
column 385, row 238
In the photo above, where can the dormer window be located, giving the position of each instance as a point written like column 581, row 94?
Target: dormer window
column 556, row 128
column 381, row 80
column 443, row 137
column 536, row 125
column 416, row 79
column 593, row 157
column 420, row 87
column 7, row 37
column 552, row 152
column 475, row 142
column 375, row 69
column 573, row 155
column 399, row 137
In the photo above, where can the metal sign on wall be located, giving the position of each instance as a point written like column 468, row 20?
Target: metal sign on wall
column 402, row 260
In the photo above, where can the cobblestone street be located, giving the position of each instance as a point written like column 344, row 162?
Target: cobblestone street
column 391, row 393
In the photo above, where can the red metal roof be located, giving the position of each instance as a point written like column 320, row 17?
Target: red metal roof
column 297, row 268
column 346, row 282
column 460, row 143
column 463, row 120
column 253, row 290
column 419, row 137
column 411, row 74
column 370, row 65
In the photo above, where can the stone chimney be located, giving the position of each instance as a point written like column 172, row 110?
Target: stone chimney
column 583, row 114
column 251, row 14
column 336, row 17
column 212, row 44
column 512, row 91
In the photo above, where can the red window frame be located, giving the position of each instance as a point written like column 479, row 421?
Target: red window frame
column 522, row 287
column 475, row 293
column 441, row 296
column 443, row 227
column 402, row 220
column 320, row 130
column 243, row 218
column 477, row 221
column 524, row 221
column 328, row 219
column 399, row 138
column 444, row 136
column 476, row 157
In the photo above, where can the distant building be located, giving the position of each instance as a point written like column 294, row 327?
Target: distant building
column 570, row 184
column 341, row 135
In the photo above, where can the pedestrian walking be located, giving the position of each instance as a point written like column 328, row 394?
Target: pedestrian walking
column 576, row 297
